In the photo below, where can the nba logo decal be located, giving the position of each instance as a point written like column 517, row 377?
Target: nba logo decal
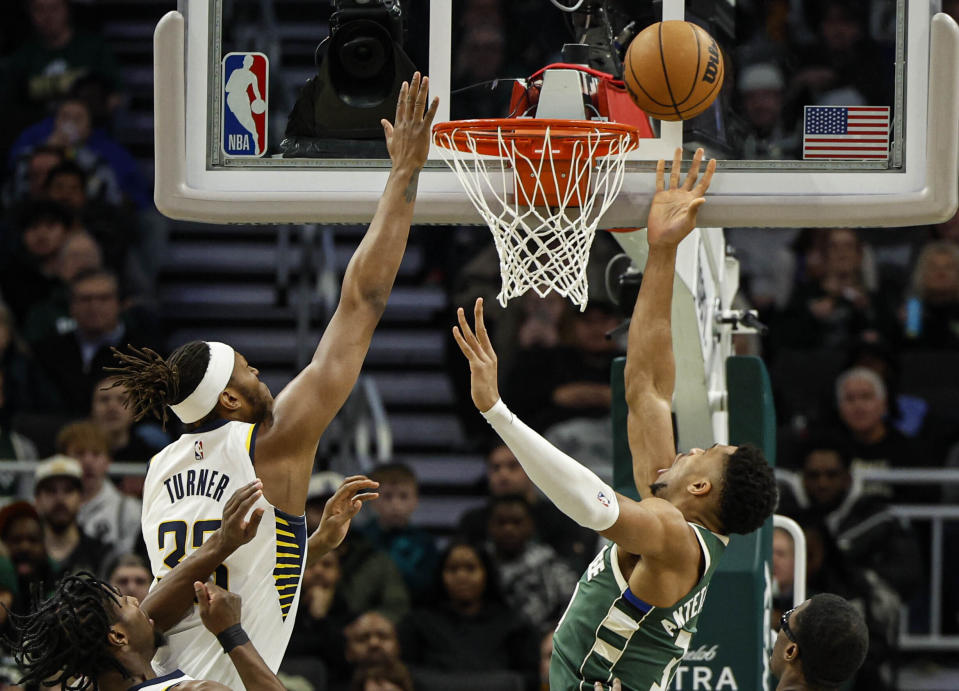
column 198, row 449
column 245, row 99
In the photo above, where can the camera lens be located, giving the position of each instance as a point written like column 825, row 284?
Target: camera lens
column 363, row 57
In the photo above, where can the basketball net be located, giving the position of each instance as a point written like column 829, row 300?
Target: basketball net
column 541, row 195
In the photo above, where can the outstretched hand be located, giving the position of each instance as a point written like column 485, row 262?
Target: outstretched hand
column 482, row 358
column 672, row 215
column 340, row 509
column 408, row 137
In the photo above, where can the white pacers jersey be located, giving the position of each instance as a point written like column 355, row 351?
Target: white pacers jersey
column 167, row 681
column 186, row 487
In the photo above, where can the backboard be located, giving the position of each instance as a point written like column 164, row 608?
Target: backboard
column 911, row 56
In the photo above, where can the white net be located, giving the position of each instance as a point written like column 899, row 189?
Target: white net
column 541, row 247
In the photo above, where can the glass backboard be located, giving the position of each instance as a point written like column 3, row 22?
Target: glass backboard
column 324, row 73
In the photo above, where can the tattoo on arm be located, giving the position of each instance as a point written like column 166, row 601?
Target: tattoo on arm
column 410, row 192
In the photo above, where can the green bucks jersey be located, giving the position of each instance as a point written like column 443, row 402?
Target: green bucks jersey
column 608, row 632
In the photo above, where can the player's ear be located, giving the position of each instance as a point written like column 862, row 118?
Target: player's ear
column 117, row 636
column 699, row 487
column 791, row 652
column 229, row 400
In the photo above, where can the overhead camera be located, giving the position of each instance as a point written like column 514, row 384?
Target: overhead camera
column 361, row 66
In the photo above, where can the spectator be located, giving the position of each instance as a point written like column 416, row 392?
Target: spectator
column 57, row 495
column 371, row 639
column 131, row 576
column 79, row 253
column 35, row 168
column 862, row 401
column 867, row 534
column 23, row 387
column 932, row 312
column 469, row 628
column 45, row 67
column 839, row 68
column 388, row 676
column 13, row 447
column 29, row 274
column 105, row 513
column 835, row 310
column 761, row 89
column 112, row 174
column 115, row 420
column 374, row 583
column 21, row 532
column 412, row 549
column 784, row 562
column 505, row 476
column 320, row 620
column 75, row 360
column 535, row 581
column 114, row 230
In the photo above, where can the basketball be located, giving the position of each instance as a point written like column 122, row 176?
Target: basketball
column 673, row 70
column 258, row 106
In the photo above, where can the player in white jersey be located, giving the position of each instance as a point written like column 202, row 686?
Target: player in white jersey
column 86, row 635
column 237, row 432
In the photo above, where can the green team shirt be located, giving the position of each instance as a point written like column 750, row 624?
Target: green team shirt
column 608, row 632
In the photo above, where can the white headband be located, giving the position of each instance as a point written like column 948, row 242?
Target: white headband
column 203, row 398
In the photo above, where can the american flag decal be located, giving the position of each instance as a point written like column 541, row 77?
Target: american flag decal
column 846, row 132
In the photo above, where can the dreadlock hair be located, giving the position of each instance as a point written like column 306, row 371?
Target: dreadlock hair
column 153, row 383
column 63, row 640
column 749, row 495
column 833, row 640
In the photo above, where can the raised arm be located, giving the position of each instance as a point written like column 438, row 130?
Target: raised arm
column 306, row 406
column 638, row 527
column 650, row 367
column 173, row 596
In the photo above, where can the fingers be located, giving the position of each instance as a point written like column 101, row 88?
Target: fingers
column 254, row 523
column 675, row 170
column 402, row 103
column 202, row 597
column 360, row 499
column 420, row 95
column 387, row 129
column 467, row 331
column 461, row 342
column 355, row 484
column 703, row 185
column 481, row 332
column 242, row 495
column 250, row 500
column 661, row 175
column 431, row 113
column 694, row 170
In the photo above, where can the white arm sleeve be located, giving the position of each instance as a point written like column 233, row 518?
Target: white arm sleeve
column 573, row 488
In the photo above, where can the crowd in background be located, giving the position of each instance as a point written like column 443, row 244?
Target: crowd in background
column 863, row 348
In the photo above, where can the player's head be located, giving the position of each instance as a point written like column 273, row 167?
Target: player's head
column 247, row 61
column 824, row 639
column 201, row 381
column 731, row 487
column 81, row 632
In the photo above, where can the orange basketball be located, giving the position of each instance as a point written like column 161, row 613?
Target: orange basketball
column 673, row 70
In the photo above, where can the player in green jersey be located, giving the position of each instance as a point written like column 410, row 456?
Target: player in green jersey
column 634, row 611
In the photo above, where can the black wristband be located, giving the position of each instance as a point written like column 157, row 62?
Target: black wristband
column 232, row 637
